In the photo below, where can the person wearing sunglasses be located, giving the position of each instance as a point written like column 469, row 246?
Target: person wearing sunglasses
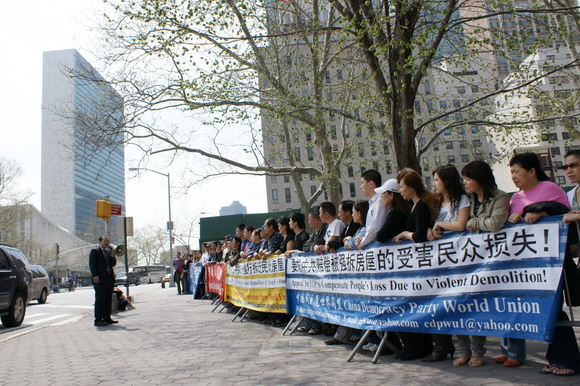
column 563, row 355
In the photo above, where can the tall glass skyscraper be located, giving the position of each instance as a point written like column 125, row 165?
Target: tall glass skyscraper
column 83, row 156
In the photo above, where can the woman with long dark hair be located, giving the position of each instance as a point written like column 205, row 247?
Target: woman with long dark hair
column 421, row 218
column 359, row 215
column 452, row 216
column 453, row 203
column 488, row 211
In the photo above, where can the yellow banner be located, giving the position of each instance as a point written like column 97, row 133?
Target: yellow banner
column 259, row 285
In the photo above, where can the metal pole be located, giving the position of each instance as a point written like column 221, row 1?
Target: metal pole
column 126, row 255
column 170, row 226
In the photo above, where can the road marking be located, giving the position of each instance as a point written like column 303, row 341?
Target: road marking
column 50, row 318
column 57, row 306
column 32, row 316
column 68, row 321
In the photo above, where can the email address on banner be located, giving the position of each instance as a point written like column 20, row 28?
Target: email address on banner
column 479, row 326
column 375, row 322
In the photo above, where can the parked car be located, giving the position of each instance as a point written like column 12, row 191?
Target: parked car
column 133, row 278
column 15, row 285
column 40, row 283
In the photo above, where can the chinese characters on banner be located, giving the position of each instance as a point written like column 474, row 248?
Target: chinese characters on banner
column 496, row 284
column 259, row 285
column 215, row 279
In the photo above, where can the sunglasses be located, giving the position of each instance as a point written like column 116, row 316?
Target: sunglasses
column 570, row 165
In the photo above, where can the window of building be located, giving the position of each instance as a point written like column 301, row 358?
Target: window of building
column 308, row 137
column 464, row 158
column 312, row 190
column 427, row 88
column 274, row 179
column 274, row 196
column 352, row 189
column 442, row 105
column 561, row 180
column 418, row 107
column 286, row 179
column 437, row 160
column 474, row 89
column 310, row 153
column 449, row 145
column 376, row 165
column 386, row 147
column 474, row 130
column 361, row 150
column 428, row 181
column 456, row 104
column 447, row 132
column 461, row 89
column 450, row 158
column 550, row 137
column 333, row 131
column 565, row 135
column 297, row 153
column 373, row 148
column 389, row 167
column 287, row 195
column 477, row 143
column 359, row 131
column 350, row 171
column 555, row 151
column 339, row 74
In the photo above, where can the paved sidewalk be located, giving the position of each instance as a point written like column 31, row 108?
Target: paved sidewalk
column 170, row 339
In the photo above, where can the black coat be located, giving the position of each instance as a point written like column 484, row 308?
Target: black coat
column 98, row 265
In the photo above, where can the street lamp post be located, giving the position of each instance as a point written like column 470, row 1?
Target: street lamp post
column 170, row 223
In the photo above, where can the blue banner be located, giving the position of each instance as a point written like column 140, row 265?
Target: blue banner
column 505, row 283
column 196, row 282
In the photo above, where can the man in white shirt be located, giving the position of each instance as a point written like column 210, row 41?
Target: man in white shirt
column 334, row 228
column 370, row 180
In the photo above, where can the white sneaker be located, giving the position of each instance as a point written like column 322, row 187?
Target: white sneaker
column 370, row 347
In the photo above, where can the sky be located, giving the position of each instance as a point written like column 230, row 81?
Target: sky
column 30, row 27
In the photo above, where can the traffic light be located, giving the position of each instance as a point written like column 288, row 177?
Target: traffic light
column 103, row 209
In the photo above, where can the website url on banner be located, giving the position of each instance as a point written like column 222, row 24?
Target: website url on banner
column 478, row 326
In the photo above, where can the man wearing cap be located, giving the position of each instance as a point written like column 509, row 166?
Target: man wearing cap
column 370, row 180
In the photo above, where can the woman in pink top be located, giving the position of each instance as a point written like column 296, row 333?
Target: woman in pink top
column 535, row 187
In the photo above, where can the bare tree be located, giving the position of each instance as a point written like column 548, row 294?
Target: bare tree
column 149, row 244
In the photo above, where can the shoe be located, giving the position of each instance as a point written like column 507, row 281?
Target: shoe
column 101, row 323
column 563, row 372
column 549, row 369
column 314, row 331
column 111, row 321
column 303, row 329
column 461, row 360
column 333, row 341
column 439, row 355
column 500, row 359
column 370, row 347
column 476, row 361
column 512, row 363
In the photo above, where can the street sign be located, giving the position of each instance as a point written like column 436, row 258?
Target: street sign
column 116, row 210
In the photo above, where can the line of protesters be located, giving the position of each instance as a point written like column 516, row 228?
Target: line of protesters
column 403, row 208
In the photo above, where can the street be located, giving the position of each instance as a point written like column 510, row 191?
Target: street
column 171, row 339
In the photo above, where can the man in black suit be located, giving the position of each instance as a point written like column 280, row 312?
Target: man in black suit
column 101, row 262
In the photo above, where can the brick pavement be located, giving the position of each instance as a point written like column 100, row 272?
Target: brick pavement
column 170, row 339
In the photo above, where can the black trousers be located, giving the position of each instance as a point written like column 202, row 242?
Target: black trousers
column 103, row 300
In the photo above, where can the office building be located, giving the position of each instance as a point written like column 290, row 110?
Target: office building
column 82, row 158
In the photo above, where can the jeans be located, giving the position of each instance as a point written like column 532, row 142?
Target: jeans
column 177, row 279
column 475, row 347
column 514, row 348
